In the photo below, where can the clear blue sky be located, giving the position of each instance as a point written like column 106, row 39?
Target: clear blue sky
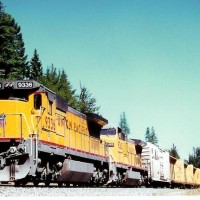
column 141, row 57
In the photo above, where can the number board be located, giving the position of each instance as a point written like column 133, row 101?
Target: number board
column 24, row 84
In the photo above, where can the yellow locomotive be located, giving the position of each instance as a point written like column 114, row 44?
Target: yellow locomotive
column 124, row 157
column 42, row 139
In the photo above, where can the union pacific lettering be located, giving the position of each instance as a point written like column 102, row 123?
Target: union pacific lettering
column 61, row 121
column 76, row 126
column 71, row 125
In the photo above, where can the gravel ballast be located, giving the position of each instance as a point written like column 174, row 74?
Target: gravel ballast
column 6, row 191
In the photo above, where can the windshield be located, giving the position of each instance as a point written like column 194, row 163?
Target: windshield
column 14, row 95
column 110, row 131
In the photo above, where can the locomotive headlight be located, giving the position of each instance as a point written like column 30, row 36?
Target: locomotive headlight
column 13, row 150
column 11, row 84
column 6, row 85
column 59, row 164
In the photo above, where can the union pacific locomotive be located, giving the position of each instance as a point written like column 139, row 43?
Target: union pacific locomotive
column 43, row 140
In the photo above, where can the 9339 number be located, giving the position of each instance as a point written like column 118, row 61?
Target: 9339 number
column 25, row 84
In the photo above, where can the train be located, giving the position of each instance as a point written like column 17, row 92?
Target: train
column 44, row 140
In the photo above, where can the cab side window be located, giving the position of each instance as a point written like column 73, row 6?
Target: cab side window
column 50, row 107
column 37, row 101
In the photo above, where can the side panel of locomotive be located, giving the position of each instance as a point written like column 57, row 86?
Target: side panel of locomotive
column 58, row 124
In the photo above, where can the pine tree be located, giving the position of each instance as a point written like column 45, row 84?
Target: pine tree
column 86, row 103
column 123, row 124
column 64, row 89
column 51, row 78
column 36, row 72
column 194, row 158
column 147, row 135
column 59, row 83
column 173, row 152
column 151, row 136
column 13, row 64
column 154, row 139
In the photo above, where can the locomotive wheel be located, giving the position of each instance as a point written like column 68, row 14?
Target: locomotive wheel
column 20, row 183
column 60, row 184
column 67, row 184
column 47, row 183
column 17, row 183
column 35, row 183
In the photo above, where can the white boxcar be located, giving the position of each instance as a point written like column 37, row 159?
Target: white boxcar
column 157, row 162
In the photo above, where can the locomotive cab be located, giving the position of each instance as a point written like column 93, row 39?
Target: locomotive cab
column 16, row 103
column 15, row 127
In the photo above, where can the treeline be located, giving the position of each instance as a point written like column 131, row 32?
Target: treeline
column 14, row 65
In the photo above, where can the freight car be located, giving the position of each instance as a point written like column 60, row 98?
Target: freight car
column 183, row 175
column 42, row 139
column 167, row 171
column 156, row 161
